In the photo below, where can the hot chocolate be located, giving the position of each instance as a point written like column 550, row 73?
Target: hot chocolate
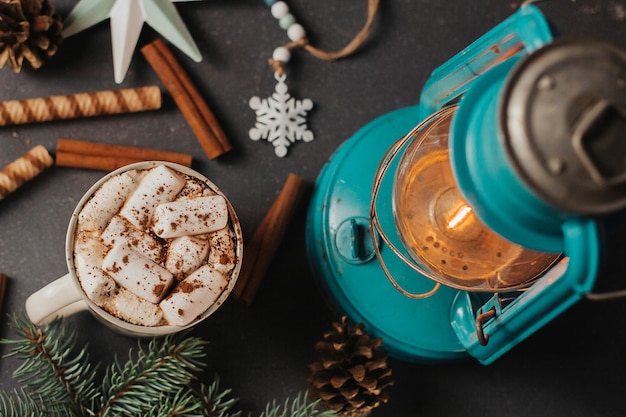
column 155, row 247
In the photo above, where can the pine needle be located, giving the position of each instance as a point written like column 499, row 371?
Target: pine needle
column 218, row 403
column 50, row 370
column 159, row 380
column 300, row 406
column 163, row 369
column 20, row 404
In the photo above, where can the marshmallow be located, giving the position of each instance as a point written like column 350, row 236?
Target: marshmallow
column 222, row 254
column 193, row 296
column 194, row 189
column 133, row 309
column 88, row 254
column 190, row 217
column 185, row 254
column 105, row 202
column 120, row 231
column 137, row 273
column 158, row 186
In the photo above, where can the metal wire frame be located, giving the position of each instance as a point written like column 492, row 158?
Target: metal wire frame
column 375, row 226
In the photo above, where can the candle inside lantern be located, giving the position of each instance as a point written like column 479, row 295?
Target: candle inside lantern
column 460, row 217
column 443, row 233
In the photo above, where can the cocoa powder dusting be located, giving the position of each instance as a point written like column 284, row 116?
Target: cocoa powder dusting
column 159, row 289
column 224, row 259
column 114, row 268
column 186, row 286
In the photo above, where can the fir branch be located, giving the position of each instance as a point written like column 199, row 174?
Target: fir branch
column 160, row 380
column 20, row 404
column 300, row 406
column 49, row 370
column 182, row 404
column 162, row 369
column 217, row 403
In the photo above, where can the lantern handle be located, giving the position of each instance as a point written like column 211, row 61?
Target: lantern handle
column 481, row 319
column 392, row 280
column 375, row 226
column 604, row 296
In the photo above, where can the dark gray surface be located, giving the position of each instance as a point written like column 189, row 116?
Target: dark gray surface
column 575, row 366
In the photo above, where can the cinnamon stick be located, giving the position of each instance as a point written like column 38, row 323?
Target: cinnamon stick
column 195, row 110
column 3, row 285
column 23, row 169
column 72, row 106
column 266, row 239
column 91, row 155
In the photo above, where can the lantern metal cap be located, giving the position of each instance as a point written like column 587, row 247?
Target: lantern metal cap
column 563, row 115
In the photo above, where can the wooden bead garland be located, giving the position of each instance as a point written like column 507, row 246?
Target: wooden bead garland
column 281, row 119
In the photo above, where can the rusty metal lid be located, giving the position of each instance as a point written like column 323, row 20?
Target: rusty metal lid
column 563, row 115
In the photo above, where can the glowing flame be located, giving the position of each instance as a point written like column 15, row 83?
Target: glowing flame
column 459, row 217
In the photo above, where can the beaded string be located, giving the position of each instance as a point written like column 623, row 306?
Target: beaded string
column 280, row 118
column 297, row 35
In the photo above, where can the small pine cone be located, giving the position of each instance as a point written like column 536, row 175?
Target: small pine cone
column 351, row 377
column 29, row 29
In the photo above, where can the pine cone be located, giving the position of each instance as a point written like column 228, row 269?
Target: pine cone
column 29, row 29
column 351, row 377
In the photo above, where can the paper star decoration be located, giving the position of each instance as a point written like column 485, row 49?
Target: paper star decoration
column 127, row 19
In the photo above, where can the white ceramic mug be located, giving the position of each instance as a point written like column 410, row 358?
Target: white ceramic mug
column 65, row 296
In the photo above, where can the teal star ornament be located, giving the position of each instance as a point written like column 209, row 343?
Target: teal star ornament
column 127, row 18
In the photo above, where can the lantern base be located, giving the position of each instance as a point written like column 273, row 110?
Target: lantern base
column 340, row 251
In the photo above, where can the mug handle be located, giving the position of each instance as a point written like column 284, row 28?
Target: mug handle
column 59, row 298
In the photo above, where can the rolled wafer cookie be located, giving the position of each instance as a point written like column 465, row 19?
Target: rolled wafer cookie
column 43, row 109
column 23, row 169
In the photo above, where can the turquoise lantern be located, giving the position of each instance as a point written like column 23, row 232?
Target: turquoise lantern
column 484, row 221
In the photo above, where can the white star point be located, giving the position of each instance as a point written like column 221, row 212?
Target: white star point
column 127, row 19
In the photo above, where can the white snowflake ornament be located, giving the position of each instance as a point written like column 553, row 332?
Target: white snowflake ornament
column 281, row 119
